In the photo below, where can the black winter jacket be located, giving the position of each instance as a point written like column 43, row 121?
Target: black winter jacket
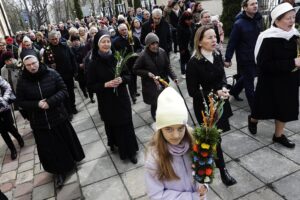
column 159, row 65
column 45, row 84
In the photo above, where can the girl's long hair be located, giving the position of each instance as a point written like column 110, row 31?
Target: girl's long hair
column 164, row 159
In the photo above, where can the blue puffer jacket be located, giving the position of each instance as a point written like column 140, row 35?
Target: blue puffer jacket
column 243, row 38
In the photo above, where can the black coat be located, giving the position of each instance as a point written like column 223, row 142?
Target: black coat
column 277, row 89
column 185, row 37
column 114, row 105
column 46, row 84
column 121, row 44
column 64, row 59
column 162, row 31
column 159, row 65
column 211, row 77
column 174, row 19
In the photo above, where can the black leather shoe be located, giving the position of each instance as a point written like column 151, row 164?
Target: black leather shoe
column 137, row 94
column 236, row 97
column 74, row 111
column 284, row 141
column 112, row 148
column 92, row 100
column 59, row 182
column 226, row 178
column 133, row 159
column 252, row 126
column 13, row 154
column 21, row 142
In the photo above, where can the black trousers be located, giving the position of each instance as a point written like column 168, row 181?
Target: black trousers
column 70, row 102
column 153, row 111
column 7, row 125
column 132, row 86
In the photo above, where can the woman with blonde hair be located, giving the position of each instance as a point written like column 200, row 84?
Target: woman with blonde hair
column 168, row 171
column 204, row 74
column 72, row 32
column 82, row 35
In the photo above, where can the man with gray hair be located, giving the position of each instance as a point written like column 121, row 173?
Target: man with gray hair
column 160, row 27
column 60, row 57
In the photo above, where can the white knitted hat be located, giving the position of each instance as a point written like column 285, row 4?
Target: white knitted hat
column 279, row 10
column 26, row 39
column 171, row 109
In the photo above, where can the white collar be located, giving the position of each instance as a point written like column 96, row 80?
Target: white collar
column 274, row 32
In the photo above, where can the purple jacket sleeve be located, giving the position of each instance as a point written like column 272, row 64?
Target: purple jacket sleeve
column 155, row 187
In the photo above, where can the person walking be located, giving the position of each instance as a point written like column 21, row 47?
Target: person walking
column 243, row 36
column 206, row 70
column 277, row 90
column 113, row 99
column 60, row 57
column 153, row 62
column 185, row 33
column 41, row 92
column 6, row 120
column 157, row 24
column 168, row 172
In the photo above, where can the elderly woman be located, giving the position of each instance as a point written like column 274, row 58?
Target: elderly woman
column 113, row 99
column 277, row 91
column 206, row 70
column 41, row 92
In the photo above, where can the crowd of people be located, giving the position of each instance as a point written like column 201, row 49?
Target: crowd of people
column 40, row 68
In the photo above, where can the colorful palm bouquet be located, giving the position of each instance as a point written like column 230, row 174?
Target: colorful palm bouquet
column 207, row 137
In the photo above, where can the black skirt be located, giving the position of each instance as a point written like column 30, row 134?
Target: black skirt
column 122, row 136
column 59, row 148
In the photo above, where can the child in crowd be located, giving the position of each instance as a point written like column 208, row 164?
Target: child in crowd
column 168, row 164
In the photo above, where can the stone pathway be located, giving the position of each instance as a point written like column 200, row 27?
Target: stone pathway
column 264, row 171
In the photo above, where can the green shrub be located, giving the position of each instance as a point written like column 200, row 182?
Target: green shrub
column 230, row 9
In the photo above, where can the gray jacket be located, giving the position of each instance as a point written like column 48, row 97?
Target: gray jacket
column 4, row 95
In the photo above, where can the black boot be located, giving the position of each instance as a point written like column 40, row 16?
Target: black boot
column 252, row 126
column 226, row 178
column 284, row 141
column 59, row 182
column 20, row 141
column 13, row 154
column 133, row 159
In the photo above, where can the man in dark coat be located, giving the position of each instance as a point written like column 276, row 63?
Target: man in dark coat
column 60, row 57
column 242, row 40
column 153, row 62
column 130, row 44
column 160, row 27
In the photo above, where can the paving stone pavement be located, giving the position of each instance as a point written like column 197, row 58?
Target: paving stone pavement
column 263, row 170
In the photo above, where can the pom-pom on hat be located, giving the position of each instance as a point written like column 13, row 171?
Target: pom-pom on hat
column 151, row 38
column 171, row 109
column 279, row 10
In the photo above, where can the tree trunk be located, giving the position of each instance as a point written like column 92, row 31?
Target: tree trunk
column 29, row 14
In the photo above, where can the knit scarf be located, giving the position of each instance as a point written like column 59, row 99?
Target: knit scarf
column 180, row 149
